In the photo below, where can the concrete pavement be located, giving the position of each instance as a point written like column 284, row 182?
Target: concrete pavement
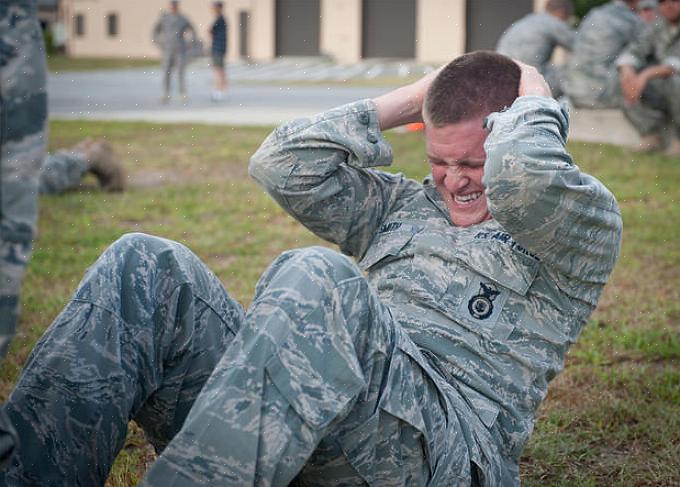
column 256, row 96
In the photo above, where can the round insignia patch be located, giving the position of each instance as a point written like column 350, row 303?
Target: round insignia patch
column 480, row 305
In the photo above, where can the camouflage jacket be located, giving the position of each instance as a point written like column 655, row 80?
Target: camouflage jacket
column 493, row 306
column 533, row 38
column 169, row 31
column 591, row 77
column 660, row 44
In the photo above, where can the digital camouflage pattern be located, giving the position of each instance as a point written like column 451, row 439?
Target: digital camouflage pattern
column 426, row 372
column 139, row 338
column 660, row 104
column 62, row 171
column 23, row 117
column 591, row 79
column 169, row 35
column 532, row 40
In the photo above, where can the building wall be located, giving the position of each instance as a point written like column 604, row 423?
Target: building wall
column 341, row 30
column 136, row 20
column 440, row 27
column 440, row 30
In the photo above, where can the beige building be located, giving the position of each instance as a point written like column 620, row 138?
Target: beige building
column 344, row 30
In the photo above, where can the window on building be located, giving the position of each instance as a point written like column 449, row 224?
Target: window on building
column 79, row 25
column 112, row 25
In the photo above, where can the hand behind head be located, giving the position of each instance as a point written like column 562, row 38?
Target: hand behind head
column 532, row 82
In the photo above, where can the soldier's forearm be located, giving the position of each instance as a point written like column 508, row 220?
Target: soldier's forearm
column 399, row 107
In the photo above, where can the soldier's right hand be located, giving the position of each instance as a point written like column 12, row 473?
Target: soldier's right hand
column 532, row 83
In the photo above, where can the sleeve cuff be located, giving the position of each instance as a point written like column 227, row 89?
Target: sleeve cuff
column 527, row 107
column 627, row 59
column 673, row 62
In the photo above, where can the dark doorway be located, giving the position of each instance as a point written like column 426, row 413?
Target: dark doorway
column 488, row 19
column 297, row 27
column 389, row 28
column 243, row 20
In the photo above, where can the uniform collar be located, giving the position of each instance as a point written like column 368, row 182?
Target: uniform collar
column 434, row 196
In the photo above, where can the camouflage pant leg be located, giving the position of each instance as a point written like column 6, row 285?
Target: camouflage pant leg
column 181, row 70
column 652, row 114
column 138, row 340
column 23, row 117
column 62, row 171
column 168, row 62
column 319, row 361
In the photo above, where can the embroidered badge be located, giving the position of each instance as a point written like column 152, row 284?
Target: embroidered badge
column 480, row 305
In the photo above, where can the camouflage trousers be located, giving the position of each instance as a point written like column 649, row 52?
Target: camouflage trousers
column 658, row 109
column 23, row 117
column 62, row 171
column 315, row 385
column 174, row 58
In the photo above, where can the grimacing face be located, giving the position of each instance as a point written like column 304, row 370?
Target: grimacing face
column 456, row 154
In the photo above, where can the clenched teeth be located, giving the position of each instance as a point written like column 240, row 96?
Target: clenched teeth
column 466, row 198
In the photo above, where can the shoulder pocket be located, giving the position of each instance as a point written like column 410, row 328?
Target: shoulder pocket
column 495, row 277
column 504, row 266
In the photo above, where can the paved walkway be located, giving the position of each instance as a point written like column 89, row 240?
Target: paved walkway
column 258, row 95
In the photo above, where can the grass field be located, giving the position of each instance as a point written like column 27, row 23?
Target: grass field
column 59, row 63
column 612, row 418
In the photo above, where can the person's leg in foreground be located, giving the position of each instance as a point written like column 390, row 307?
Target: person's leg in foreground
column 138, row 340
column 23, row 129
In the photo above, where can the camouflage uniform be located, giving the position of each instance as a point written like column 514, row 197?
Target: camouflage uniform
column 169, row 34
column 533, row 39
column 426, row 372
column 591, row 79
column 62, row 171
column 23, row 117
column 660, row 103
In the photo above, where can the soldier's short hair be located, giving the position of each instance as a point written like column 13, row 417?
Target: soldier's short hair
column 556, row 5
column 472, row 85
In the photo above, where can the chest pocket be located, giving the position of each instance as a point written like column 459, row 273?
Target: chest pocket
column 387, row 246
column 495, row 279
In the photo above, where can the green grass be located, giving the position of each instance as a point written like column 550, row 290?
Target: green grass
column 613, row 416
column 58, row 63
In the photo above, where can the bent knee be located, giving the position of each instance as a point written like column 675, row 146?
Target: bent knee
column 323, row 262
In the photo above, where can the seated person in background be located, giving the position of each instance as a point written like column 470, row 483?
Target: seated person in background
column 591, row 76
column 647, row 11
column 649, row 71
column 426, row 370
column 533, row 39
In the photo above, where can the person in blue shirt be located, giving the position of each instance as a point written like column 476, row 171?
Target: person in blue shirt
column 218, row 33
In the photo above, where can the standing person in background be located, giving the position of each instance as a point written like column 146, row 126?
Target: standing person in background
column 649, row 71
column 533, row 39
column 170, row 34
column 218, row 51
